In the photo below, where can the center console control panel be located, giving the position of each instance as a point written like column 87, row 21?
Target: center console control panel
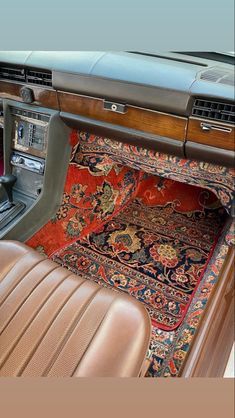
column 29, row 133
column 29, row 140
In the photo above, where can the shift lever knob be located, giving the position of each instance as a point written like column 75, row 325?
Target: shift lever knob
column 8, row 182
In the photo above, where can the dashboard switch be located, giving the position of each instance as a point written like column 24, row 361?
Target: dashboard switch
column 20, row 131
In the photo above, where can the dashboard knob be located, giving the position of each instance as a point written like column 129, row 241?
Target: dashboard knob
column 26, row 95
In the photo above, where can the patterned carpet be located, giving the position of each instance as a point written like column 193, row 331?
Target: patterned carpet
column 155, row 254
column 138, row 233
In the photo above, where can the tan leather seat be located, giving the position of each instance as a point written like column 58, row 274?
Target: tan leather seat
column 54, row 323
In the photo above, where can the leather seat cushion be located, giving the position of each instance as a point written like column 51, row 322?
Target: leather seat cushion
column 54, row 323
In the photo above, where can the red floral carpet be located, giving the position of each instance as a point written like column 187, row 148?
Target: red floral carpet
column 150, row 236
column 135, row 232
column 155, row 254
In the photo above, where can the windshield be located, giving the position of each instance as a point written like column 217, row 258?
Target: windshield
column 225, row 57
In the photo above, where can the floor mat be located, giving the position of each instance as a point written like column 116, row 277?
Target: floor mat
column 155, row 254
column 142, row 234
column 92, row 196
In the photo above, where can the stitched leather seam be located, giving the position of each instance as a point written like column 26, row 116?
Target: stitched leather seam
column 32, row 319
column 16, row 262
column 24, row 274
column 70, row 331
column 27, row 297
column 55, row 315
column 93, row 336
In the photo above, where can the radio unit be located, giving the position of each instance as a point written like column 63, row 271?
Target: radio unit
column 30, row 131
column 28, row 163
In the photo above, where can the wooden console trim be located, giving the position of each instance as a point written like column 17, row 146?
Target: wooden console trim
column 213, row 342
column 43, row 97
column 137, row 118
column 214, row 138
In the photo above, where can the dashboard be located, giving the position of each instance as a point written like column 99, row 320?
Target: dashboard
column 178, row 105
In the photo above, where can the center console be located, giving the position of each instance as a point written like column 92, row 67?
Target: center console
column 29, row 140
column 29, row 149
column 35, row 141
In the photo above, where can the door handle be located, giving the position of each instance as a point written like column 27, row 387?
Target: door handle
column 209, row 127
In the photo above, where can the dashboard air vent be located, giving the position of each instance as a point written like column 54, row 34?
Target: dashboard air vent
column 26, row 75
column 218, row 75
column 223, row 112
column 12, row 73
column 42, row 78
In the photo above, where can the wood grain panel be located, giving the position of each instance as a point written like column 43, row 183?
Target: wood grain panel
column 213, row 137
column 43, row 97
column 135, row 118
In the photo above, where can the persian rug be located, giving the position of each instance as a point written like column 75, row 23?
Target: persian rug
column 218, row 179
column 155, row 254
column 152, row 237
column 92, row 195
column 169, row 350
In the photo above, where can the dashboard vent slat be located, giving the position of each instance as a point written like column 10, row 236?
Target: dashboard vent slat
column 42, row 78
column 222, row 112
column 26, row 75
column 12, row 73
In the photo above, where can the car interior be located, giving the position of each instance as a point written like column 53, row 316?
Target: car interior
column 116, row 213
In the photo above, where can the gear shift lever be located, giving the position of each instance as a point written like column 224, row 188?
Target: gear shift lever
column 9, row 210
column 8, row 182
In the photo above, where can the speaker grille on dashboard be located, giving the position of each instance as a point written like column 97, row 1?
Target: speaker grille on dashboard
column 218, row 75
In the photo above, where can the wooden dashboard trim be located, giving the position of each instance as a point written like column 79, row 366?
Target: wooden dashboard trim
column 140, row 119
column 43, row 97
column 178, row 128
column 214, row 138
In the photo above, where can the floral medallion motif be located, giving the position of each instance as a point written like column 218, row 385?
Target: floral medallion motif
column 125, row 241
column 63, row 209
column 104, row 199
column 75, row 225
column 165, row 254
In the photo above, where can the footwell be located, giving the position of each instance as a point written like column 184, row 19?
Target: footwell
column 138, row 233
column 155, row 254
